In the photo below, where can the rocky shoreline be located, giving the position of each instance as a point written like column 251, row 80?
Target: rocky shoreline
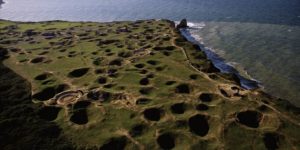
column 216, row 60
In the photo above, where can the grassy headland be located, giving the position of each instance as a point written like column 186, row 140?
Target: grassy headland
column 127, row 85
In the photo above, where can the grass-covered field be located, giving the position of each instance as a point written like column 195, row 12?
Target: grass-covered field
column 127, row 85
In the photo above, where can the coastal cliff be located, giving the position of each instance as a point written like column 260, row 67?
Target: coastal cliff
column 128, row 85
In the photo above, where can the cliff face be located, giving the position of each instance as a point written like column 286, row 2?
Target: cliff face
column 128, row 85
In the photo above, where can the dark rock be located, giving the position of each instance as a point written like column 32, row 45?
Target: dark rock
column 171, row 22
column 212, row 68
column 182, row 24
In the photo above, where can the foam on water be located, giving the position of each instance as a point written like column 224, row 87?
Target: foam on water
column 214, row 55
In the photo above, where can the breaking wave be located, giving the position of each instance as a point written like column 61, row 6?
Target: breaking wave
column 191, row 35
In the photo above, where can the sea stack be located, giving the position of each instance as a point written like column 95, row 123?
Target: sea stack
column 182, row 24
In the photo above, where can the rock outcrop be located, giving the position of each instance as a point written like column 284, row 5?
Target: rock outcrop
column 182, row 24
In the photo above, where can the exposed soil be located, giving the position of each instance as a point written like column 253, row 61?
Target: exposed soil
column 68, row 97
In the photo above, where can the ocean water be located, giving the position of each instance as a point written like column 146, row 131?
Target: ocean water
column 269, row 53
column 260, row 39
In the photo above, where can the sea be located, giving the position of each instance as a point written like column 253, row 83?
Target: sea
column 257, row 39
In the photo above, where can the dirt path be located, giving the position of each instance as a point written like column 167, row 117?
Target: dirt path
column 188, row 59
column 280, row 114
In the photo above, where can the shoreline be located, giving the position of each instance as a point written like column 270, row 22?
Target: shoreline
column 249, row 83
column 277, row 85
column 220, row 63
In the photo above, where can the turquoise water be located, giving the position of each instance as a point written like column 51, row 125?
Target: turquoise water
column 260, row 38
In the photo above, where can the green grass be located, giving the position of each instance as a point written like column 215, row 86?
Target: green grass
column 77, row 45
